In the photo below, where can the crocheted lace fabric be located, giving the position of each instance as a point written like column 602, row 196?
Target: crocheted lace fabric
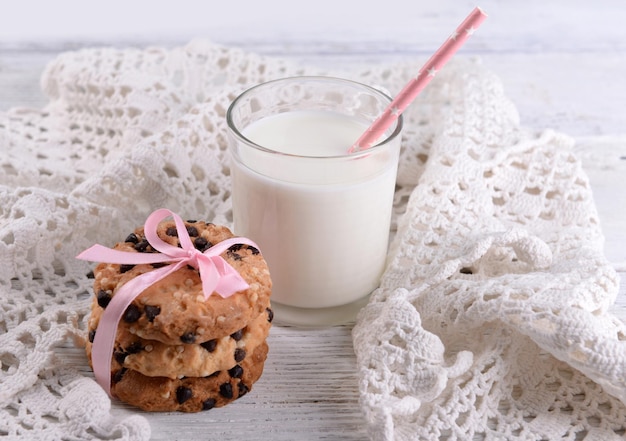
column 491, row 321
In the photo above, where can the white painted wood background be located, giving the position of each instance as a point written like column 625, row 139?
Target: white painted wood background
column 562, row 62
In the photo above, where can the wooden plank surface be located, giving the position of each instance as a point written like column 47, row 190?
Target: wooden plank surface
column 562, row 64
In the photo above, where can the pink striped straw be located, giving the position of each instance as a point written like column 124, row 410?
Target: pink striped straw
column 415, row 86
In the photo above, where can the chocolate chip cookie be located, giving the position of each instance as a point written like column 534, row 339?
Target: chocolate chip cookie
column 189, row 394
column 174, row 309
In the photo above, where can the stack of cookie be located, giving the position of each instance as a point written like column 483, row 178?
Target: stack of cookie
column 176, row 349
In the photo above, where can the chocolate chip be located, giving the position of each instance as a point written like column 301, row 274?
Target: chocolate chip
column 134, row 347
column 183, row 394
column 152, row 312
column 142, row 246
column 240, row 354
column 270, row 315
column 226, row 390
column 202, row 244
column 237, row 335
column 466, row 270
column 214, row 374
column 191, row 221
column 126, row 267
column 208, row 404
column 171, row 231
column 92, row 335
column 192, row 231
column 132, row 314
column 243, row 389
column 254, row 250
column 188, row 338
column 117, row 376
column 104, row 297
column 235, row 247
column 236, row 372
column 131, row 238
column 90, row 275
column 158, row 265
column 233, row 255
column 120, row 356
column 209, row 345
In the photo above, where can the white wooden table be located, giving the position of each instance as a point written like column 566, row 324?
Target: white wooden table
column 562, row 64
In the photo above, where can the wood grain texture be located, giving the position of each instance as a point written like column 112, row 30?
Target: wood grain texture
column 308, row 391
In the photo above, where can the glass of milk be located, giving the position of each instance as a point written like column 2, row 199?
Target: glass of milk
column 320, row 215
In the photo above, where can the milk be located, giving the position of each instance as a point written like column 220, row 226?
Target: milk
column 320, row 216
column 306, row 133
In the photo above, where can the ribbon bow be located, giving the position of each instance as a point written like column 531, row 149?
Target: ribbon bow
column 215, row 273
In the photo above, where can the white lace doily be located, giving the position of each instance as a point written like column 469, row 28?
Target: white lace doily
column 492, row 316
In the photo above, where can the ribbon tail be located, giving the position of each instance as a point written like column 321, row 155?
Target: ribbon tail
column 217, row 275
column 208, row 275
column 104, row 340
column 229, row 284
column 230, row 280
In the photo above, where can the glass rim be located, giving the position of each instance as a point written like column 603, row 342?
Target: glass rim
column 320, row 78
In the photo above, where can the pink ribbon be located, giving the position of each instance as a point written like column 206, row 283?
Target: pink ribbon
column 215, row 273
